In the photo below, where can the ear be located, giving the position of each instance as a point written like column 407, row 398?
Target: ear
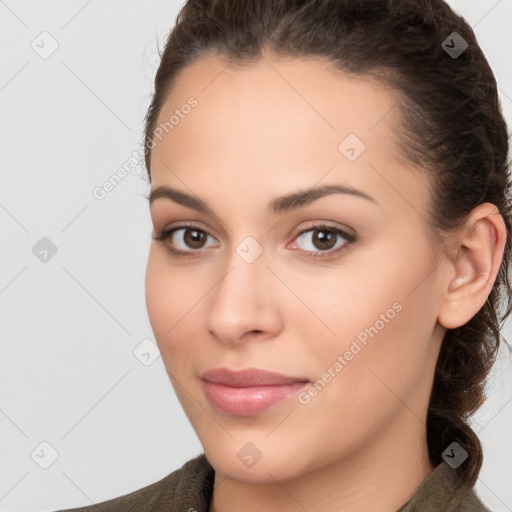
column 473, row 260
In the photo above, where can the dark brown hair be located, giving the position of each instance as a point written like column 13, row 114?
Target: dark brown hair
column 451, row 126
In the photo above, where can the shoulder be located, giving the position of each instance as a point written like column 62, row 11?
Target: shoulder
column 464, row 499
column 458, row 497
column 186, row 488
column 444, row 490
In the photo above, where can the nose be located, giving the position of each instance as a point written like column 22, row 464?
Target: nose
column 243, row 305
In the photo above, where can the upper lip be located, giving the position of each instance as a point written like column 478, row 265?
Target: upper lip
column 248, row 377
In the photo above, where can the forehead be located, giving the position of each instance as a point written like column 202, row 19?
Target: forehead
column 288, row 90
column 272, row 121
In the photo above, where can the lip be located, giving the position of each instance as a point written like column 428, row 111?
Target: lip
column 248, row 377
column 250, row 391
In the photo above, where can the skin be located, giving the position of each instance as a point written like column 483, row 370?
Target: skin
column 270, row 129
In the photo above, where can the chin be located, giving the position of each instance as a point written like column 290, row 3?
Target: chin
column 236, row 462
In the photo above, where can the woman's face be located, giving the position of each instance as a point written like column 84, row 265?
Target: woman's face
column 357, row 318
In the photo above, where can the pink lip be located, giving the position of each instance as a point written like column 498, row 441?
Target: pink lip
column 248, row 391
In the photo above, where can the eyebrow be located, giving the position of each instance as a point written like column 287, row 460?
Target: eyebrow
column 277, row 206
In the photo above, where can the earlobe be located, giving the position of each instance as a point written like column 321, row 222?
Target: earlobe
column 476, row 256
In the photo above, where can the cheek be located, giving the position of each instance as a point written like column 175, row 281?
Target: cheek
column 169, row 295
column 158, row 295
column 359, row 323
column 384, row 329
column 385, row 305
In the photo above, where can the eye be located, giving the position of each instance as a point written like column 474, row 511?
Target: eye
column 323, row 239
column 181, row 239
column 189, row 241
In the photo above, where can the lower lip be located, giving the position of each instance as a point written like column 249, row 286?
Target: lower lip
column 250, row 400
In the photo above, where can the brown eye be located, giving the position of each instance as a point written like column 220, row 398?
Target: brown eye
column 194, row 238
column 185, row 239
column 324, row 239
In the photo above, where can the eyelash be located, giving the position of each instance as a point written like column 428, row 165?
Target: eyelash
column 167, row 233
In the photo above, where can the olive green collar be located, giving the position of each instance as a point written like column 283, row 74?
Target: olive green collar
column 443, row 490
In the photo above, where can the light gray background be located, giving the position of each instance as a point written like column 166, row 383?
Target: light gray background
column 69, row 326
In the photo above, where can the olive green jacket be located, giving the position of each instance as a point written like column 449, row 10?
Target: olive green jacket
column 189, row 489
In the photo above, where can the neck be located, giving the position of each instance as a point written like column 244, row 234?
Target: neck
column 380, row 478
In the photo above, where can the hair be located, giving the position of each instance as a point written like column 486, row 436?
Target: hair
column 451, row 126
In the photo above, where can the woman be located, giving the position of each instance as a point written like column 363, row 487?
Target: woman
column 332, row 218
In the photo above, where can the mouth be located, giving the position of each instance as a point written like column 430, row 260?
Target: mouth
column 250, row 391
